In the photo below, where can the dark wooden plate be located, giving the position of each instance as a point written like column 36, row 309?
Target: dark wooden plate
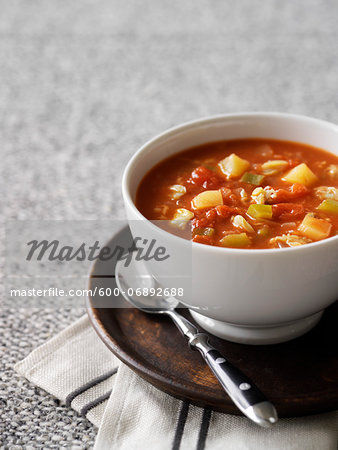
column 300, row 377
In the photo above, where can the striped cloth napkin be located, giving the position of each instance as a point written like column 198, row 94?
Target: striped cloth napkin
column 77, row 368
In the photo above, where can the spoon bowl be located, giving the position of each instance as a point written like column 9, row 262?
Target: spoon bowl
column 134, row 281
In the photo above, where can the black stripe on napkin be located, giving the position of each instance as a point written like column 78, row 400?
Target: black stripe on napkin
column 70, row 397
column 182, row 418
column 102, row 276
column 94, row 403
column 204, row 429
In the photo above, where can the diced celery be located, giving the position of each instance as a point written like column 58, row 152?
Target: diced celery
column 260, row 211
column 301, row 174
column 207, row 199
column 235, row 240
column 233, row 166
column 329, row 206
column 315, row 228
column 252, row 178
column 207, row 231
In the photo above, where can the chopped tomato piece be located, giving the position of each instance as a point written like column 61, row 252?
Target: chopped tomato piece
column 201, row 174
column 283, row 195
column 224, row 211
column 229, row 196
column 211, row 214
column 202, row 239
column 205, row 177
column 208, row 218
column 205, row 219
column 226, row 193
column 287, row 211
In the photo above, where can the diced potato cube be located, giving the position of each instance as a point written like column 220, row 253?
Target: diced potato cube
column 260, row 211
column 183, row 214
column 315, row 228
column 233, row 166
column 329, row 206
column 207, row 199
column 239, row 222
column 274, row 166
column 178, row 191
column 301, row 174
column 235, row 240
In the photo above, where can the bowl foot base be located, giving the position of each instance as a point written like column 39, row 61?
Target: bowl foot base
column 253, row 335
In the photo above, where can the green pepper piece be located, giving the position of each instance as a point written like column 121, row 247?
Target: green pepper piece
column 207, row 231
column 260, row 211
column 252, row 178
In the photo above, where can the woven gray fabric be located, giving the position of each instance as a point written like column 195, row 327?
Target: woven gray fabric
column 74, row 367
column 84, row 84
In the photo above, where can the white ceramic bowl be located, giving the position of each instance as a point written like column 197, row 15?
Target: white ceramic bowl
column 247, row 296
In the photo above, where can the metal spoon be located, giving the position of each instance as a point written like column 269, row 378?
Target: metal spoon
column 135, row 279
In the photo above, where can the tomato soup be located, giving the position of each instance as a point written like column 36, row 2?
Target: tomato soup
column 249, row 193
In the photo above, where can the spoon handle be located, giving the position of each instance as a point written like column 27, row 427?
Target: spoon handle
column 243, row 392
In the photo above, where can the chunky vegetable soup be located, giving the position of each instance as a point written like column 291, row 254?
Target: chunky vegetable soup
column 249, row 193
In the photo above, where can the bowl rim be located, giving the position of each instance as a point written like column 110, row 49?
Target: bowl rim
column 205, row 121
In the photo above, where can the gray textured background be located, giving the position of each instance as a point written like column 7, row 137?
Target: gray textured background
column 83, row 84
